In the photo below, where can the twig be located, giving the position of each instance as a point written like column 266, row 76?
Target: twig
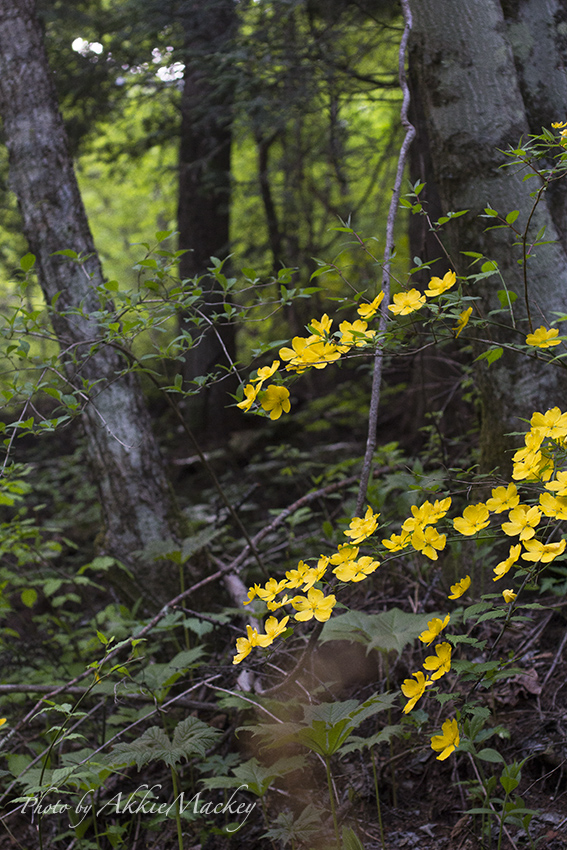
column 379, row 356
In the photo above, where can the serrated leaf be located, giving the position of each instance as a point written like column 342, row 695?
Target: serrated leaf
column 389, row 631
column 191, row 737
column 477, row 608
column 194, row 737
column 255, row 776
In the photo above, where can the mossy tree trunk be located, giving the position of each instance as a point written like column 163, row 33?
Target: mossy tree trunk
column 485, row 74
column 137, row 505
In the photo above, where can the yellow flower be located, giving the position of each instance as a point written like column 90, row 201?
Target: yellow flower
column 276, row 400
column 354, row 333
column 367, row 311
column 427, row 541
column 553, row 507
column 252, row 594
column 250, row 393
column 552, row 423
column 447, row 741
column 313, row 574
column 414, row 690
column 356, row 570
column 274, row 628
column 502, row 568
column 426, row 514
column 434, row 628
column 523, row 521
column 541, row 338
column 312, row 351
column 276, row 604
column 295, row 578
column 460, row 587
column 503, row 499
column 265, row 372
column 407, row 302
column 474, row 518
column 270, row 589
column 322, row 327
column 441, row 662
column 558, row 125
column 438, row 286
column 530, row 462
column 347, row 552
column 509, row 595
column 360, row 529
column 462, row 321
column 316, row 604
column 244, row 645
column 396, row 542
column 536, row 551
column 559, row 486
column 2, row 721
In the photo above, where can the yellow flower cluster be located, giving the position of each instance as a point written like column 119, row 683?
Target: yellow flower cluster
column 318, row 349
column 408, row 302
column 274, row 400
column 322, row 346
column 348, row 567
column 418, row 531
column 437, row 665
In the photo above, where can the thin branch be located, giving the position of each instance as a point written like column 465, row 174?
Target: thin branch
column 388, row 250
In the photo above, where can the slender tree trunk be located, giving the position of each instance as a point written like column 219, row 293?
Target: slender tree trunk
column 205, row 192
column 474, row 105
column 137, row 505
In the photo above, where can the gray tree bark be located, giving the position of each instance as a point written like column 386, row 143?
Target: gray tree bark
column 137, row 505
column 477, row 77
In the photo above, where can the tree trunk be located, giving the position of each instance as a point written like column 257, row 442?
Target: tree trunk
column 137, row 505
column 474, row 104
column 205, row 191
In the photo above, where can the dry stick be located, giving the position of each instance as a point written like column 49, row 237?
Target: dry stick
column 379, row 356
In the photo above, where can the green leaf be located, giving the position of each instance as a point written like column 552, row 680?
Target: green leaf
column 66, row 253
column 27, row 262
column 191, row 737
column 29, row 597
column 386, row 632
column 491, row 356
column 509, row 783
column 321, row 270
column 350, row 840
column 489, row 266
column 512, row 216
column 256, row 776
column 506, row 298
column 488, row 754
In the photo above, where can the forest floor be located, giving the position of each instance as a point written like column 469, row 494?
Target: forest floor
column 423, row 801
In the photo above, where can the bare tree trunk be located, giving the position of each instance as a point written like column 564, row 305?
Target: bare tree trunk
column 470, row 93
column 204, row 193
column 138, row 507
